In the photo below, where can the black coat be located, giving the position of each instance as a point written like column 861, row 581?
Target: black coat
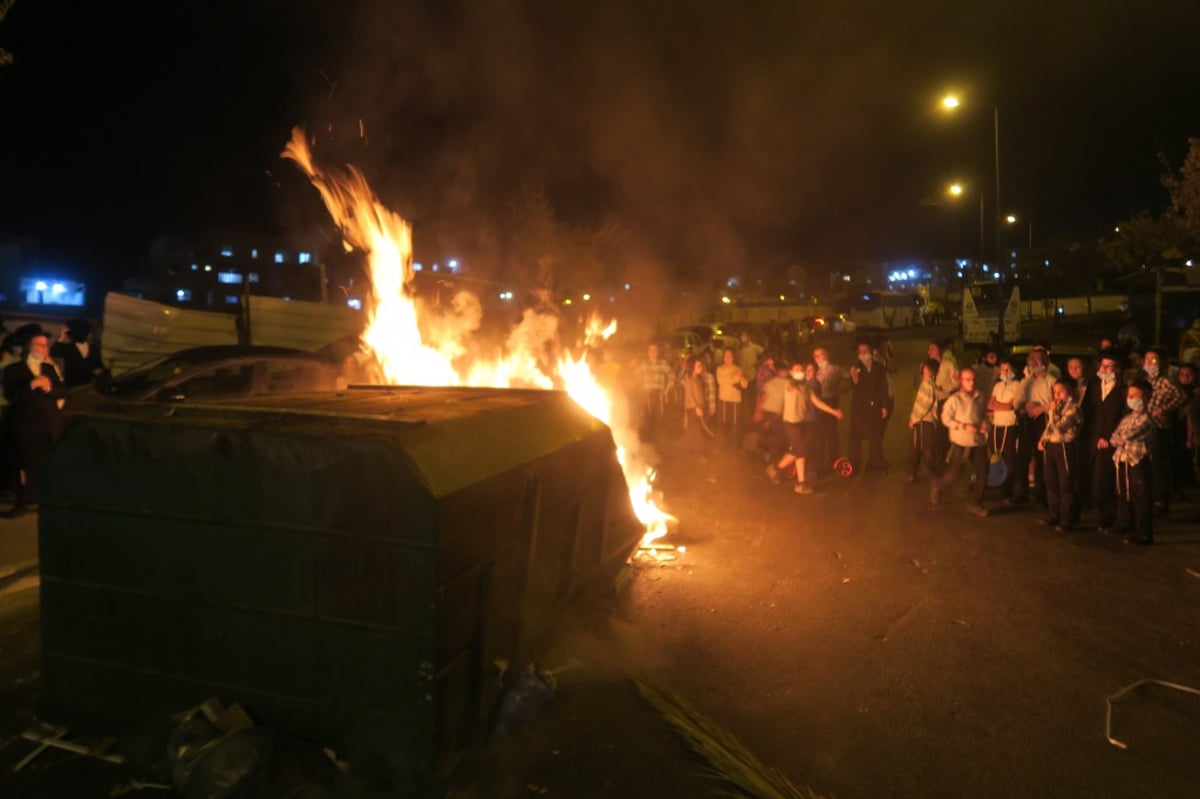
column 1102, row 417
column 33, row 420
column 870, row 396
column 78, row 370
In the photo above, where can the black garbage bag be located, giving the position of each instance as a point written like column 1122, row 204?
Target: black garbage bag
column 217, row 753
column 525, row 697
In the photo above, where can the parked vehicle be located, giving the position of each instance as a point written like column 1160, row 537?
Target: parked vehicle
column 212, row 373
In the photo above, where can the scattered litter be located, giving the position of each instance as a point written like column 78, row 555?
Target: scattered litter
column 837, row 554
column 915, row 562
column 960, row 621
column 845, row 579
column 1108, row 704
column 1192, row 572
column 138, row 785
column 48, row 736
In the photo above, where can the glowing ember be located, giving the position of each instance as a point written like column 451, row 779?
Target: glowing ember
column 416, row 345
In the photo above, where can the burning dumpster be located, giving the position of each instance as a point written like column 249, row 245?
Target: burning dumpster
column 346, row 565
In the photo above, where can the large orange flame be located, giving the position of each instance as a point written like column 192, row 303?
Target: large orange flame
column 420, row 346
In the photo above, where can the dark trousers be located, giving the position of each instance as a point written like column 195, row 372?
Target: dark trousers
column 1104, row 486
column 1134, row 498
column 1004, row 441
column 977, row 457
column 827, row 447
column 729, row 419
column 1027, row 453
column 1060, row 486
column 924, row 435
column 697, row 435
column 1163, row 478
column 874, row 441
column 774, row 440
column 653, row 406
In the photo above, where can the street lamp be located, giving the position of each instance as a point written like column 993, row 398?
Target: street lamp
column 1012, row 219
column 951, row 103
column 956, row 190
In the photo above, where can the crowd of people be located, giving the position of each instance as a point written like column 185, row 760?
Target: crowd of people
column 36, row 377
column 1118, row 437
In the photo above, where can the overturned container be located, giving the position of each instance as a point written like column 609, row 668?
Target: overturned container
column 345, row 565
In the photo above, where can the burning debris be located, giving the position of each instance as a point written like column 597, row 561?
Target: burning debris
column 417, row 345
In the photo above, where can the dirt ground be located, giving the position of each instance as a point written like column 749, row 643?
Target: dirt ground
column 864, row 644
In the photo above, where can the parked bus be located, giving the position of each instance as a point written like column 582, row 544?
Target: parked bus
column 887, row 309
column 981, row 307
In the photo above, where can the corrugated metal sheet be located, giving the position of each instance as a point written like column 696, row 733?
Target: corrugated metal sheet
column 136, row 331
column 308, row 326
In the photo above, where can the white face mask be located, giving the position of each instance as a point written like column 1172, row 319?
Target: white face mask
column 1152, row 370
column 798, row 377
column 36, row 357
column 1135, row 403
column 866, row 359
column 1107, row 377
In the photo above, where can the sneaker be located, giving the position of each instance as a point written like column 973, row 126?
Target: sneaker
column 801, row 488
column 977, row 510
column 773, row 474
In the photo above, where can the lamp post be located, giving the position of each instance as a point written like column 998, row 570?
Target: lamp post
column 951, row 103
column 1013, row 219
column 956, row 190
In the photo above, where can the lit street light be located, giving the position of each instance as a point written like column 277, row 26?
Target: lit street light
column 1012, row 219
column 956, row 190
column 951, row 103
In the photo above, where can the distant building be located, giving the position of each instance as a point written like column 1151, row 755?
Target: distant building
column 34, row 285
column 214, row 270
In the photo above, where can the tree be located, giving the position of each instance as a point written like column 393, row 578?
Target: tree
column 1184, row 189
column 1148, row 243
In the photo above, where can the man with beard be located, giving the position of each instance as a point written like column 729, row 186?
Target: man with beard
column 33, row 422
column 1105, row 408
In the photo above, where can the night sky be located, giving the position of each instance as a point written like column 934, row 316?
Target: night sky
column 718, row 133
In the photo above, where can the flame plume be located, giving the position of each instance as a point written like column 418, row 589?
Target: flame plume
column 420, row 346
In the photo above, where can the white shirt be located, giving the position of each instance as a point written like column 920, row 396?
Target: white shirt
column 1009, row 391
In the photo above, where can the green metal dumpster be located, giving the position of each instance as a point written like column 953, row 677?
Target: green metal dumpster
column 345, row 565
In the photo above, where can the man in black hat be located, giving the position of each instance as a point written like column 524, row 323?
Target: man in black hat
column 33, row 422
column 80, row 357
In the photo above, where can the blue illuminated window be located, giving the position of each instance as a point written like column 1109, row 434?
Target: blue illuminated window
column 355, row 303
column 254, row 277
column 183, row 295
column 227, row 252
column 229, row 277
column 254, row 252
column 43, row 291
column 304, row 257
column 280, row 256
column 231, row 299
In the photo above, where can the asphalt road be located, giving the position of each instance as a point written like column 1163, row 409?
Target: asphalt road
column 856, row 639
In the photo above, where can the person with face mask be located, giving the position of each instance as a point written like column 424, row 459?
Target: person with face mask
column 1131, row 449
column 801, row 403
column 1105, row 407
column 34, row 389
column 922, row 421
column 1163, row 403
column 868, row 409
column 1003, row 434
